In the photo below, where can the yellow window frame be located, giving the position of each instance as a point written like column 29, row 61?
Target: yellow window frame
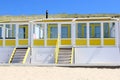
column 69, row 29
column 48, row 29
column 83, row 25
column 93, row 25
column 26, row 30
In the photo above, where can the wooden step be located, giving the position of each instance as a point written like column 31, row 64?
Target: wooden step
column 19, row 55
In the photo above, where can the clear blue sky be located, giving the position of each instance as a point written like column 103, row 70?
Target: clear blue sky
column 31, row 7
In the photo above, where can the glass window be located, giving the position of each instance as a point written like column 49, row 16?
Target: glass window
column 109, row 30
column 66, row 31
column 38, row 31
column 10, row 31
column 0, row 32
column 95, row 30
column 81, row 30
column 23, row 31
column 1, row 27
column 52, row 31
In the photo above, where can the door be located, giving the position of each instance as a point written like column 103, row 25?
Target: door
column 23, row 35
column 66, row 34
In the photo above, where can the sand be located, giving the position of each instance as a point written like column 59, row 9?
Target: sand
column 57, row 73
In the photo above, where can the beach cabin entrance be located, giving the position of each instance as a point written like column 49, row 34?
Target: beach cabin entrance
column 65, row 34
column 23, row 35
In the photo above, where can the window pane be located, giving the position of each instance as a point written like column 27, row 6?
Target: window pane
column 10, row 31
column 52, row 31
column 66, row 31
column 95, row 30
column 38, row 31
column 106, row 30
column 13, row 30
column 109, row 30
column 81, row 30
column 1, row 26
column 23, row 31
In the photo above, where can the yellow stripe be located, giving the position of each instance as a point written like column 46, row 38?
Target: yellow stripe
column 81, row 42
column 26, row 55
column 38, row 42
column 66, row 42
column 109, row 41
column 57, row 49
column 12, row 55
column 72, row 55
column 23, row 42
column 10, row 42
column 95, row 41
column 1, row 42
column 51, row 42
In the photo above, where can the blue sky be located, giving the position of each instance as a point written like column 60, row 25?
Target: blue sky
column 32, row 7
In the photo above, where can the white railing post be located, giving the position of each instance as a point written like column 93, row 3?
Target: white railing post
column 88, row 34
column 45, row 36
column 102, row 35
column 31, row 34
column 17, row 27
column 116, row 33
column 59, row 33
column 73, row 29
column 4, row 35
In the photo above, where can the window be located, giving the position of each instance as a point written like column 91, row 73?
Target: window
column 81, row 30
column 109, row 30
column 1, row 31
column 38, row 31
column 52, row 31
column 66, row 31
column 95, row 30
column 10, row 31
column 23, row 31
column 106, row 30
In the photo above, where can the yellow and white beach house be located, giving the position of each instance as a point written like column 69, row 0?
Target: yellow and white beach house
column 93, row 40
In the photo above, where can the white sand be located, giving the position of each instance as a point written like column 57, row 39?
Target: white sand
column 57, row 73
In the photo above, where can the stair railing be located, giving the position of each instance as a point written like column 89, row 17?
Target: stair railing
column 72, row 56
column 12, row 55
column 57, row 49
column 26, row 55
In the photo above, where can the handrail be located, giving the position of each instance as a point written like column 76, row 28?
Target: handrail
column 72, row 56
column 57, row 49
column 12, row 55
column 26, row 55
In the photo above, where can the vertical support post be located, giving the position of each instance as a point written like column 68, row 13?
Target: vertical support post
column 45, row 36
column 88, row 34
column 29, row 34
column 3, row 35
column 17, row 28
column 59, row 32
column 116, row 33
column 102, row 35
column 31, row 27
column 73, row 29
